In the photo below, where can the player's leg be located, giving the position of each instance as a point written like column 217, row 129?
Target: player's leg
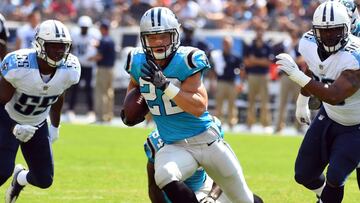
column 223, row 166
column 38, row 156
column 311, row 159
column 8, row 149
column 174, row 164
column 344, row 158
column 155, row 194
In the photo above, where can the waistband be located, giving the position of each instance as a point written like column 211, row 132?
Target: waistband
column 208, row 136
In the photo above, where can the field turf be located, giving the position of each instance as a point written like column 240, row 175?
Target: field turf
column 102, row 164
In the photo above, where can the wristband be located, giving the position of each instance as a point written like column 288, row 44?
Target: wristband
column 300, row 78
column 302, row 100
column 171, row 90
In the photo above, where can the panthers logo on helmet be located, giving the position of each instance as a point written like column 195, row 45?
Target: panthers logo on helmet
column 159, row 20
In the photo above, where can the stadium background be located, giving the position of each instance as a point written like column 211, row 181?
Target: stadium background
column 106, row 164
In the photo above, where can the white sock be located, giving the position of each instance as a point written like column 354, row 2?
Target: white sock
column 21, row 178
column 319, row 190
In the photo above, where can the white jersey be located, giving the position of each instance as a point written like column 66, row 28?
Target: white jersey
column 348, row 58
column 33, row 97
column 84, row 48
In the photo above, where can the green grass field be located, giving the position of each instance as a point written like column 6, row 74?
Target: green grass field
column 107, row 164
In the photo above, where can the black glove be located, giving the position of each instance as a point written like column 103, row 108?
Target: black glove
column 130, row 123
column 152, row 73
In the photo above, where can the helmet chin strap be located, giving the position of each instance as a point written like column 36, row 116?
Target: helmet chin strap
column 53, row 63
column 335, row 48
column 164, row 55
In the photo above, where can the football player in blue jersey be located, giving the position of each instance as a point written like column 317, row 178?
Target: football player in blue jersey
column 205, row 189
column 32, row 86
column 4, row 35
column 332, row 54
column 170, row 79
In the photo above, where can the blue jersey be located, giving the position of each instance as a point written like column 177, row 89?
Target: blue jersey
column 354, row 16
column 173, row 123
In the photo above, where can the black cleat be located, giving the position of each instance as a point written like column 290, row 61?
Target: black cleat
column 15, row 188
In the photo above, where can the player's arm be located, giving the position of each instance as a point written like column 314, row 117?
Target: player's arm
column 192, row 97
column 303, row 91
column 22, row 132
column 155, row 194
column 343, row 87
column 7, row 91
column 132, row 84
column 55, row 114
column 55, row 111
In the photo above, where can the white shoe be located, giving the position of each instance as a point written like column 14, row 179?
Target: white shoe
column 13, row 192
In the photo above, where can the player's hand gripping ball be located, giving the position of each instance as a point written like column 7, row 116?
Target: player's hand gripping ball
column 134, row 108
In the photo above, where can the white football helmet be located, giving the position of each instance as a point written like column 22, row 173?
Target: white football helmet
column 85, row 21
column 351, row 10
column 159, row 20
column 52, row 31
column 330, row 16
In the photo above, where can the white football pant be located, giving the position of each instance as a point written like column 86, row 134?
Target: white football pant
column 178, row 161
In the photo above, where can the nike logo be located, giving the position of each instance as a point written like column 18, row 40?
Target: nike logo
column 210, row 143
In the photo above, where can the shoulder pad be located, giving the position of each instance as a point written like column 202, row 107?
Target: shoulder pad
column 12, row 61
column 73, row 69
column 309, row 35
column 129, row 59
column 195, row 58
column 72, row 62
column 353, row 45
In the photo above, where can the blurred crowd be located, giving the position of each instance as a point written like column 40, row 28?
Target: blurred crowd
column 253, row 70
column 209, row 14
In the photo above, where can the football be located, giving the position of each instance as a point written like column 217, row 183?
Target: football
column 134, row 108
